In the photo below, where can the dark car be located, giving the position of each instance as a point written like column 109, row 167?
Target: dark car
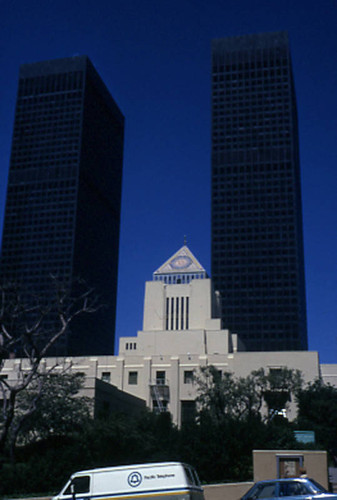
column 294, row 488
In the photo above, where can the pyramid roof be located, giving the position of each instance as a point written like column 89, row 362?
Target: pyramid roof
column 183, row 261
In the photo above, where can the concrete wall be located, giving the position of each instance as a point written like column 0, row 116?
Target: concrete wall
column 266, row 462
column 228, row 491
column 174, row 352
column 202, row 304
column 329, row 374
column 231, row 491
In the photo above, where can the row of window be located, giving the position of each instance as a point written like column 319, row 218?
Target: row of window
column 46, row 187
column 31, row 114
column 247, row 116
column 216, row 149
column 236, row 126
column 260, row 168
column 67, row 95
column 260, row 289
column 132, row 346
column 177, row 278
column 252, row 89
column 40, row 155
column 277, row 305
column 41, row 119
column 253, row 213
column 39, row 277
column 44, row 262
column 249, row 77
column 253, row 59
column 50, row 83
column 251, row 159
column 263, row 185
column 160, row 378
column 255, row 99
column 177, row 313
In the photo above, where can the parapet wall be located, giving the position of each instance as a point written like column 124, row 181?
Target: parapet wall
column 226, row 491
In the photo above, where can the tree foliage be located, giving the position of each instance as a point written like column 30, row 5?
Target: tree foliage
column 317, row 411
column 230, row 422
column 224, row 395
column 60, row 410
column 219, row 443
column 45, row 465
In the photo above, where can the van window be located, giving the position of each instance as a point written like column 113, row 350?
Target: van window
column 196, row 477
column 81, row 485
column 189, row 476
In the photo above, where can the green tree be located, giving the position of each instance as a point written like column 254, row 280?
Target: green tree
column 59, row 410
column 222, row 394
column 279, row 385
column 43, row 466
column 317, row 411
column 230, row 422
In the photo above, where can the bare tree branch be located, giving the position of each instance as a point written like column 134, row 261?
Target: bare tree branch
column 30, row 325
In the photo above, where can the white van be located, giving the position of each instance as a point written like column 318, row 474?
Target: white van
column 173, row 480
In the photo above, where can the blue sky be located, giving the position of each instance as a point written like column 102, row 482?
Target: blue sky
column 154, row 56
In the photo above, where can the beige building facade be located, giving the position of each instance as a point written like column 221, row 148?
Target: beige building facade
column 181, row 332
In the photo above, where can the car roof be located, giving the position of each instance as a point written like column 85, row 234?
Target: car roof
column 302, row 479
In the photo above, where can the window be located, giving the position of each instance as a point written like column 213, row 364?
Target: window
column 160, row 377
column 188, row 377
column 130, row 346
column 106, row 377
column 293, row 488
column 81, row 485
column 159, row 407
column 133, row 378
column 188, row 412
column 266, row 490
column 189, row 475
column 289, row 466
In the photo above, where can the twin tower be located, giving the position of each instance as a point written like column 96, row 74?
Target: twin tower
column 64, row 195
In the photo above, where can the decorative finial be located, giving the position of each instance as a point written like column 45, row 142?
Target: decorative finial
column 185, row 240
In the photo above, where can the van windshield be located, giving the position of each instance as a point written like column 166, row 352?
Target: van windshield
column 191, row 476
column 81, row 485
column 196, row 477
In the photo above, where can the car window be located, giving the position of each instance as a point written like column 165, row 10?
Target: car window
column 265, row 490
column 293, row 488
column 315, row 487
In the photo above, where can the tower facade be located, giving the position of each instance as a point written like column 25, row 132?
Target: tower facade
column 257, row 236
column 62, row 213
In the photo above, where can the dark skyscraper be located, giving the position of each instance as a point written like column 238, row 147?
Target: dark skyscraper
column 64, row 190
column 257, row 240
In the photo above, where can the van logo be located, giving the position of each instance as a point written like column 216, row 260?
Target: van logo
column 134, row 479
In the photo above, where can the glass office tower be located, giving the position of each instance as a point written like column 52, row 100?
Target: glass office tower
column 64, row 191
column 257, row 240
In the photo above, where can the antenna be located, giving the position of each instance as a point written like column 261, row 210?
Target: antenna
column 185, row 240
